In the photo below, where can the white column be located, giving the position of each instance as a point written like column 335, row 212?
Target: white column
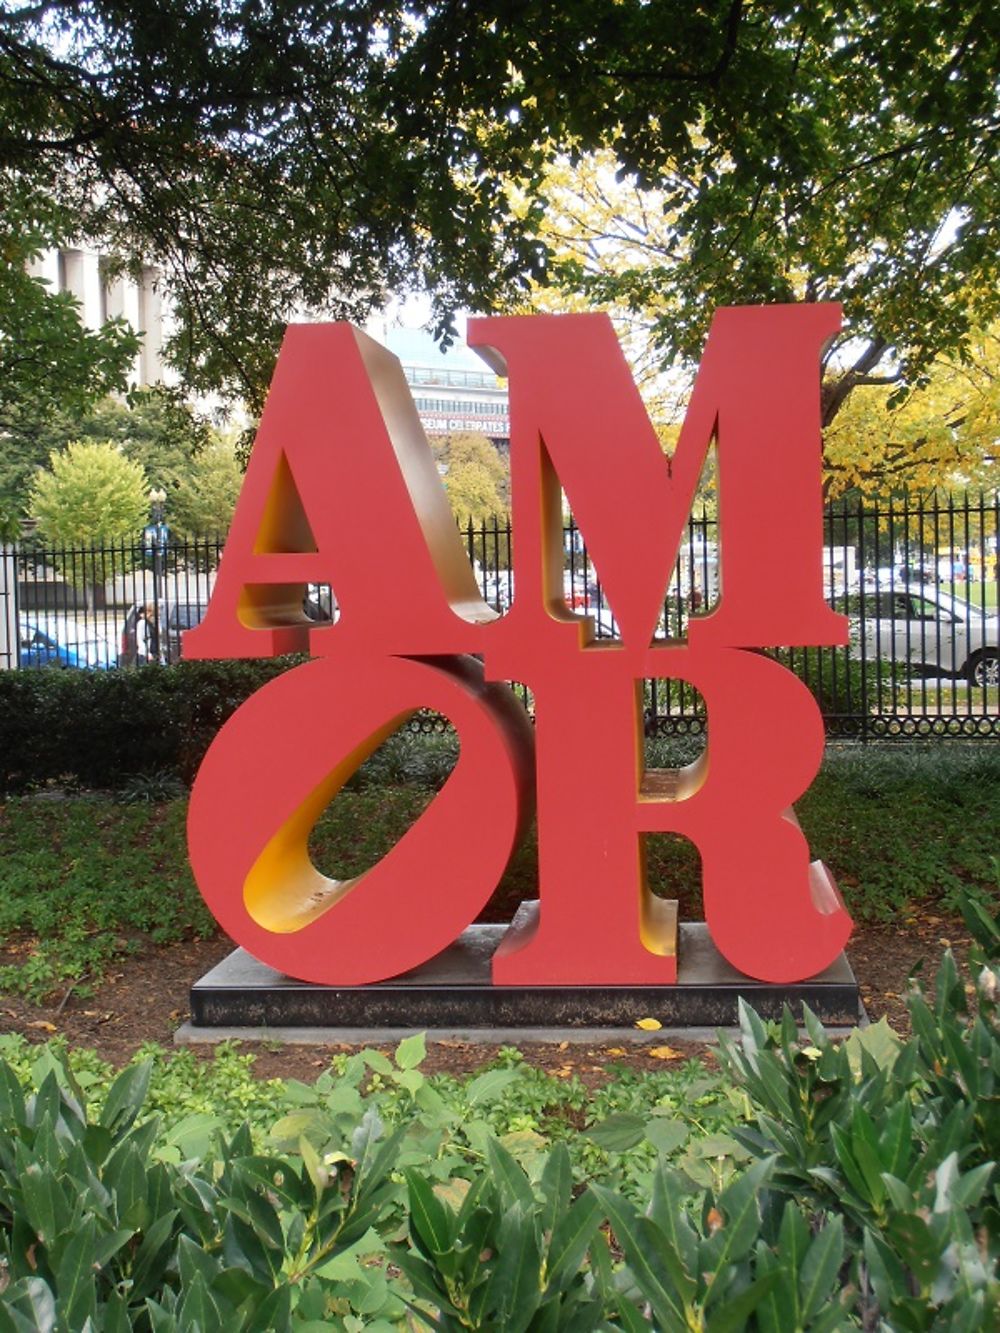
column 151, row 326
column 83, row 280
column 9, row 654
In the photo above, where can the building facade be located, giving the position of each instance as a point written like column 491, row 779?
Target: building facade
column 86, row 275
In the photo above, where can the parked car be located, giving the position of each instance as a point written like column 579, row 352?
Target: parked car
column 934, row 632
column 44, row 644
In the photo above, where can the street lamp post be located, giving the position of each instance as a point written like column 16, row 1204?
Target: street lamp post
column 156, row 535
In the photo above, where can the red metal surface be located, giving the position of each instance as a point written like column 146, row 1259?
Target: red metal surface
column 342, row 489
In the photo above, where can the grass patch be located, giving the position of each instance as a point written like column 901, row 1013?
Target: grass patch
column 83, row 881
column 904, row 825
column 976, row 594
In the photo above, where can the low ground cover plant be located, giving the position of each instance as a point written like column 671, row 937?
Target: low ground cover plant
column 811, row 1185
column 87, row 877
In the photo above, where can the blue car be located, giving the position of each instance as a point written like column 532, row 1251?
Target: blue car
column 36, row 648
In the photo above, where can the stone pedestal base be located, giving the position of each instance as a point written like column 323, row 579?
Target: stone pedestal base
column 453, row 991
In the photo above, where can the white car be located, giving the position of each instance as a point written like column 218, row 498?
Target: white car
column 933, row 632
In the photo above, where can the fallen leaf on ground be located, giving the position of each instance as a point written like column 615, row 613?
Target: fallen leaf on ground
column 666, row 1053
column 42, row 1025
column 649, row 1024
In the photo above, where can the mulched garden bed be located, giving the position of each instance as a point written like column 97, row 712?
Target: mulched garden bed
column 146, row 1000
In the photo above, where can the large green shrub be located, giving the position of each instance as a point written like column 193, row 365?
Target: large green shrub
column 864, row 1195
column 101, row 728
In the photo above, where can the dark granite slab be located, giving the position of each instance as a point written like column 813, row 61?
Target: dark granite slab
column 453, row 990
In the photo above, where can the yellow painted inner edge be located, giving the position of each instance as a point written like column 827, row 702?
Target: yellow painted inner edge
column 284, row 891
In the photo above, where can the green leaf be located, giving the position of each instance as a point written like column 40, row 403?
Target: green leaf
column 556, row 1185
column 423, row 1278
column 488, row 1086
column 646, row 1253
column 431, row 1221
column 410, row 1079
column 514, row 1288
column 777, row 1310
column 277, row 1176
column 365, row 1137
column 667, row 1211
column 914, row 1242
column 967, row 1190
column 752, row 1033
column 295, row 1126
column 719, row 1145
column 845, row 1158
column 980, row 924
column 793, row 1243
column 411, row 1051
column 666, row 1135
column 260, row 1216
column 192, row 1135
column 193, row 1259
column 11, row 1096
column 880, row 1042
column 509, row 1175
column 315, row 1169
column 740, row 1207
column 45, row 1205
column 114, row 1318
column 630, row 1318
column 732, row 1314
column 107, row 1245
column 152, row 1255
column 272, row 1314
column 33, row 1293
column 820, row 1268
column 896, row 1140
column 376, row 1061
column 619, row 1132
column 864, row 1144
column 570, row 1239
column 126, row 1096
column 899, row 1193
column 888, row 1276
column 75, row 1277
column 199, row 1311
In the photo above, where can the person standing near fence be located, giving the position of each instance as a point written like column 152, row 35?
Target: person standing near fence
column 147, row 645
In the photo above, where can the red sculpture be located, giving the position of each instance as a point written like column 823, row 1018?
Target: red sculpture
column 342, row 489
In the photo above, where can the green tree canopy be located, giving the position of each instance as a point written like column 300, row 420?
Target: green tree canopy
column 258, row 153
column 154, row 428
column 203, row 504
column 474, row 475
column 274, row 156
column 91, row 494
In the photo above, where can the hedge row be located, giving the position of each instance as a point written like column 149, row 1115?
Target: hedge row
column 103, row 728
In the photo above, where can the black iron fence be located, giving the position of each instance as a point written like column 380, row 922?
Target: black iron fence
column 918, row 580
